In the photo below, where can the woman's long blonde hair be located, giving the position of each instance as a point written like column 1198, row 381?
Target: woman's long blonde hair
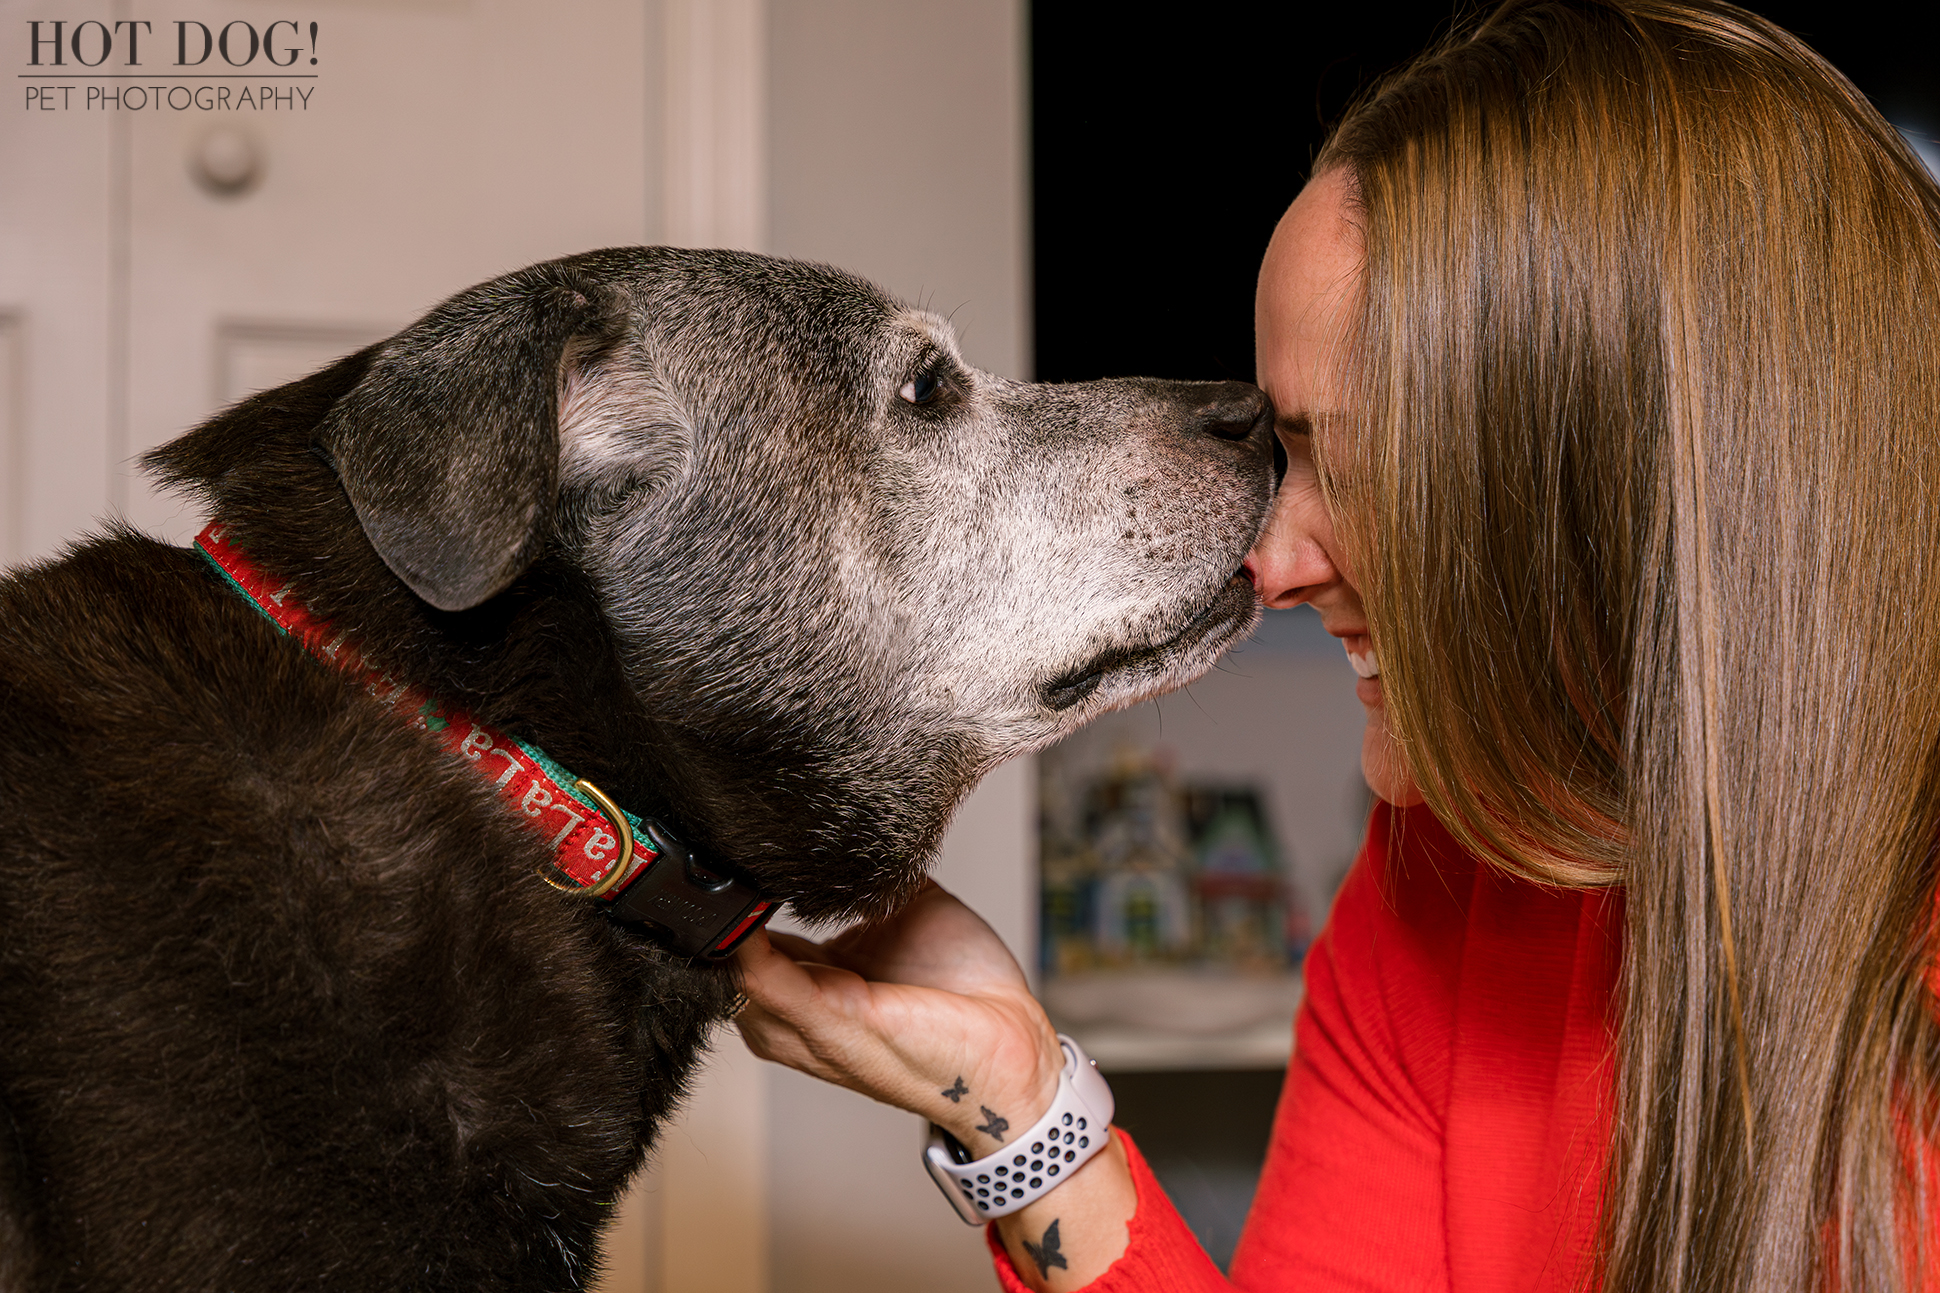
column 1648, row 472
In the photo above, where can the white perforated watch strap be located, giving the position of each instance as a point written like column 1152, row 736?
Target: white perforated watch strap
column 1076, row 1126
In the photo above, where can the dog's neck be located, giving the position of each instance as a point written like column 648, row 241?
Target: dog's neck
column 789, row 806
column 632, row 866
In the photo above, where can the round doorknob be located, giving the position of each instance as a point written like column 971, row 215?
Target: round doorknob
column 227, row 162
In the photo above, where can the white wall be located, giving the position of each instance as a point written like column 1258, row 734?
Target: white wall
column 898, row 147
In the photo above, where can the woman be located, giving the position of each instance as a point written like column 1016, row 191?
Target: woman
column 1600, row 345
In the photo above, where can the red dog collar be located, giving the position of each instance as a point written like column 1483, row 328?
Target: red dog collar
column 633, row 866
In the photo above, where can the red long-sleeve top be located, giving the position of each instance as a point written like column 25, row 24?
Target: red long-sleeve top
column 1447, row 1110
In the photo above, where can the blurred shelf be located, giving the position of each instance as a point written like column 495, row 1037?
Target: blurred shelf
column 1121, row 1049
column 1154, row 1020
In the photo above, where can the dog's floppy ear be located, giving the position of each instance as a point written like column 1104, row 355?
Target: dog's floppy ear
column 449, row 446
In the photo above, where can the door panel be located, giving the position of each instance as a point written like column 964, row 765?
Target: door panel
column 253, row 356
column 54, row 289
column 440, row 146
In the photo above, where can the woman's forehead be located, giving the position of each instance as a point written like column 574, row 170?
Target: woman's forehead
column 1306, row 287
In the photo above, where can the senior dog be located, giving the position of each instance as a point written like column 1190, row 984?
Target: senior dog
column 290, row 994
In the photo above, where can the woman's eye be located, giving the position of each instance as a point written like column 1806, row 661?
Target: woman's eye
column 920, row 390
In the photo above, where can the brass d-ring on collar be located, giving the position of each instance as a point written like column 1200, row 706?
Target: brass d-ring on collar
column 620, row 868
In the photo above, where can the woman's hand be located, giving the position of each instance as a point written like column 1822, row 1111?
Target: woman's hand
column 927, row 1011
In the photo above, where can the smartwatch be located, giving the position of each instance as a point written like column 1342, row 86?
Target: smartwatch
column 1032, row 1164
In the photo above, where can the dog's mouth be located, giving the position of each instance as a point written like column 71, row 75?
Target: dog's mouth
column 1148, row 670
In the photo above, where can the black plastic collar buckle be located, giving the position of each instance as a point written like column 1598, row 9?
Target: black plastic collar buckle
column 689, row 908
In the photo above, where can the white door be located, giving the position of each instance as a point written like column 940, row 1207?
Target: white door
column 176, row 235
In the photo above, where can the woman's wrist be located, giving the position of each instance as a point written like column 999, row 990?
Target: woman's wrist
column 1000, row 1095
column 1030, row 1162
column 1071, row 1236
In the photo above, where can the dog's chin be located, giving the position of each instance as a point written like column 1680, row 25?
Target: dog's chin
column 869, row 888
column 827, row 907
column 1125, row 676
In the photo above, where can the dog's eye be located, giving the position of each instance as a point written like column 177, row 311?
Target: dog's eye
column 922, row 389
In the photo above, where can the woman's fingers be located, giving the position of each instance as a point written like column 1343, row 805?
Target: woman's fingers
column 917, row 1047
column 776, row 974
column 787, row 1006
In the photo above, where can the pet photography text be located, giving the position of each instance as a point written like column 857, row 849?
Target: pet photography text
column 97, row 65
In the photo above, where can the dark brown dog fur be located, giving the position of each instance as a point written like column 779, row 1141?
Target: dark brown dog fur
column 269, row 937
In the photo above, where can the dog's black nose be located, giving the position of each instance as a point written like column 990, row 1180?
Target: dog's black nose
column 1241, row 414
column 1236, row 411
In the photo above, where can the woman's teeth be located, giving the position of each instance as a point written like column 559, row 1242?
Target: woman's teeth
column 1367, row 666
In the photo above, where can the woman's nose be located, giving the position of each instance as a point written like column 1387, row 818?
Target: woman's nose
column 1291, row 562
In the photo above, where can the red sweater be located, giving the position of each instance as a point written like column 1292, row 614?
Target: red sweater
column 1446, row 1113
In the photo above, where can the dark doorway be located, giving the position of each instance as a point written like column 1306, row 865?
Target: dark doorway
column 1167, row 141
